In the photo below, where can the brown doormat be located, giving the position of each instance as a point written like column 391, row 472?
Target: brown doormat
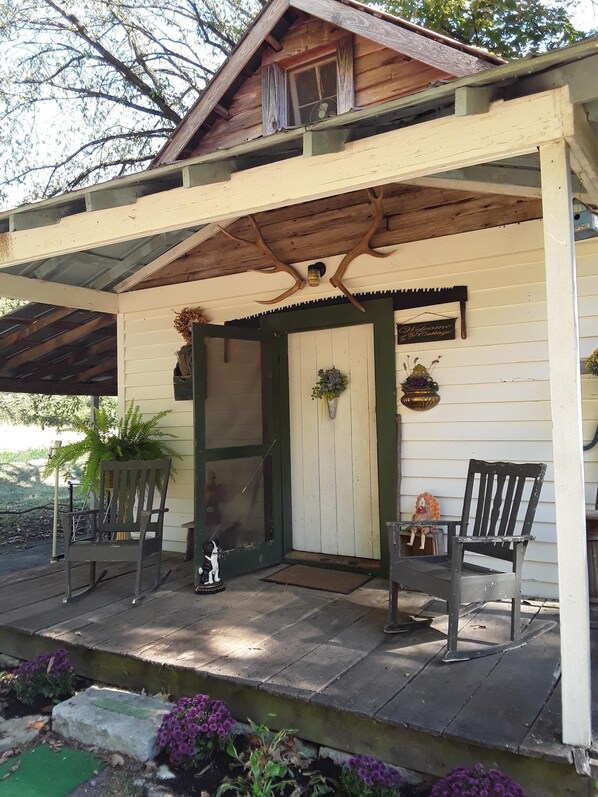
column 319, row 578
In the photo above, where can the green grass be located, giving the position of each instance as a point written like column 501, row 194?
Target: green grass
column 23, row 456
column 26, row 498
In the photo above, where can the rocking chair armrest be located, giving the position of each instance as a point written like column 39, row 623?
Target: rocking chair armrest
column 495, row 539
column 81, row 512
column 408, row 523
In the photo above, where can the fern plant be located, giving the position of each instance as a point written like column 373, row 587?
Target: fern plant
column 134, row 437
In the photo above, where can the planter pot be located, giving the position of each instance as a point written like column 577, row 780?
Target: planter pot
column 420, row 400
column 183, row 386
column 332, row 406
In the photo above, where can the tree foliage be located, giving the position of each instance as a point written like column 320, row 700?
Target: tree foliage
column 509, row 28
column 91, row 89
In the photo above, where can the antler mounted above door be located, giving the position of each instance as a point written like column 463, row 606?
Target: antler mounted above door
column 277, row 263
column 376, row 198
column 363, row 247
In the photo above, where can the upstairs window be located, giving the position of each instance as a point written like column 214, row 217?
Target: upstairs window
column 312, row 93
column 305, row 89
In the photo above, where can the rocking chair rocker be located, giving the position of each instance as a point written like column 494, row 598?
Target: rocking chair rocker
column 127, row 526
column 489, row 527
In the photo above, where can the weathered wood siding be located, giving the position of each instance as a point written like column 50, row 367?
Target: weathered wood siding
column 494, row 385
column 380, row 74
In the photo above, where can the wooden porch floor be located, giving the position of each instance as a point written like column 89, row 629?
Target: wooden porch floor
column 319, row 662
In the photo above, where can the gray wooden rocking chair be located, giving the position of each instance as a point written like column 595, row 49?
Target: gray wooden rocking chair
column 131, row 502
column 490, row 526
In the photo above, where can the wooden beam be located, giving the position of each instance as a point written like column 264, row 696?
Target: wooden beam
column 50, row 388
column 108, row 364
column 33, row 327
column 173, row 254
column 496, row 179
column 509, row 129
column 223, row 80
column 222, row 112
column 584, row 153
column 31, row 352
column 131, row 261
column 34, row 290
column 579, row 76
column 76, row 358
column 321, row 142
column 472, row 100
column 486, row 180
column 395, row 37
column 565, row 403
column 274, row 43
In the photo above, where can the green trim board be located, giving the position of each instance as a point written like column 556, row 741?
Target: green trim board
column 402, row 299
column 379, row 313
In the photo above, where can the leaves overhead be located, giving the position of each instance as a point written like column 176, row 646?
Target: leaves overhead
column 509, row 28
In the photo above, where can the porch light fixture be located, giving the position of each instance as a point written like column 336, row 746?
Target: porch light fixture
column 585, row 222
column 314, row 274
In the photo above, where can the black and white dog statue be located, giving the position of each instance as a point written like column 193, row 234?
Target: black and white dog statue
column 209, row 572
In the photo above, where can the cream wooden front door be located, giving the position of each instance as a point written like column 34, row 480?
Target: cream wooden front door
column 334, row 471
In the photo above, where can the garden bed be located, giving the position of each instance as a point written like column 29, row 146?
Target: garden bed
column 202, row 752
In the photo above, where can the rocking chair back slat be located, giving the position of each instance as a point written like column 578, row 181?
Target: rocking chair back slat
column 500, row 492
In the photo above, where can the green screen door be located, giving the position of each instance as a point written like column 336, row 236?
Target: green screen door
column 237, row 447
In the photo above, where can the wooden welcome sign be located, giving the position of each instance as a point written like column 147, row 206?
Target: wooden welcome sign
column 426, row 331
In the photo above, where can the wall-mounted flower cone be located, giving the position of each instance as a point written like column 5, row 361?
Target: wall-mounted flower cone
column 332, row 405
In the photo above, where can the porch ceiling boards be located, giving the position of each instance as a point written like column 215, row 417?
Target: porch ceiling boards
column 58, row 350
column 318, row 661
column 327, row 227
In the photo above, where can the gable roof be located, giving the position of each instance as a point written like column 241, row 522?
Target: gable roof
column 414, row 41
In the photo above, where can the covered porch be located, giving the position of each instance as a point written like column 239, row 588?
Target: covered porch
column 320, row 662
column 528, row 131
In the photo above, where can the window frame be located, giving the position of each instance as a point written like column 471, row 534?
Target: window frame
column 294, row 109
column 276, row 113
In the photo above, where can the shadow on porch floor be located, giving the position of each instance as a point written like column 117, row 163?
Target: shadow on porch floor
column 319, row 661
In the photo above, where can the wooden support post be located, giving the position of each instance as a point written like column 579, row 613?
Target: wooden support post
column 565, row 399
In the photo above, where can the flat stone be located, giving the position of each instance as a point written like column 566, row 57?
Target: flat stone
column 8, row 662
column 20, row 731
column 113, row 720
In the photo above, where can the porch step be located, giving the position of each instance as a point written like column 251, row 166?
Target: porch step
column 112, row 719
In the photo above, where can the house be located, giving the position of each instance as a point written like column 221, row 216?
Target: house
column 334, row 132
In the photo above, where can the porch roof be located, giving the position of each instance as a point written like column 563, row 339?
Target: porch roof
column 120, row 259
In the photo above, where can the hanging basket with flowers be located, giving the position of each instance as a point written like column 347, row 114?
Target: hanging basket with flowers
column 592, row 363
column 331, row 383
column 183, row 322
column 420, row 390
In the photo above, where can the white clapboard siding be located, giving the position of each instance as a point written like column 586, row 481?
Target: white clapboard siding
column 334, row 478
column 494, row 386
